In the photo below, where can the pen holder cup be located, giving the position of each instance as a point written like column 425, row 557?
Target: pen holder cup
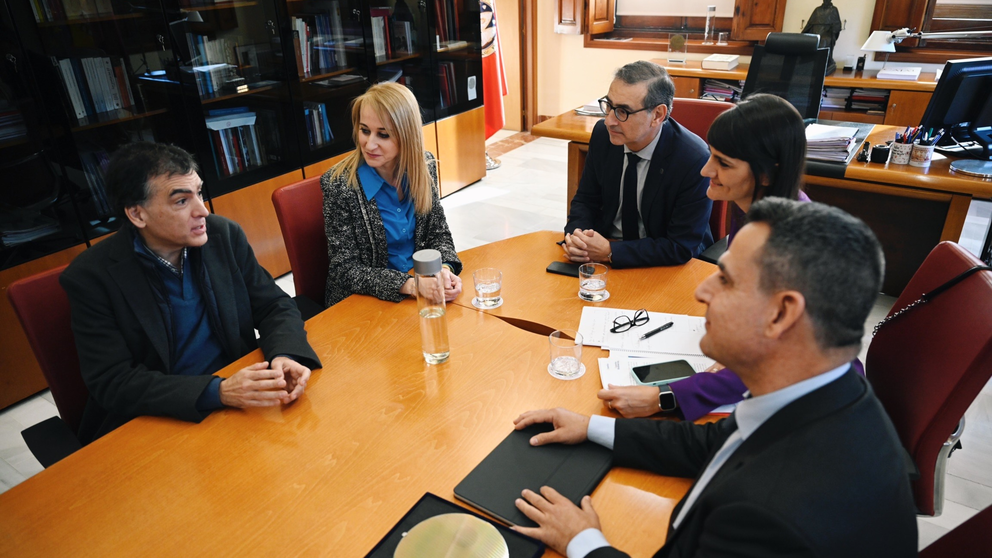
column 921, row 155
column 899, row 153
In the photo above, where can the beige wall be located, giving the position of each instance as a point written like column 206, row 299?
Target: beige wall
column 570, row 75
column 508, row 22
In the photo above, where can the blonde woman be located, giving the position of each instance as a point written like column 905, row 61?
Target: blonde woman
column 381, row 203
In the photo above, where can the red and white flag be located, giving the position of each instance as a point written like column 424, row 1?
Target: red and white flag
column 493, row 74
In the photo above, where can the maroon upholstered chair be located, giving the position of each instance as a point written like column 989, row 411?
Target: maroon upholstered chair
column 971, row 539
column 928, row 365
column 43, row 310
column 696, row 115
column 299, row 208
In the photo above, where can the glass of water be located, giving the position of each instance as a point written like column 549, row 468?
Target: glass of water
column 566, row 355
column 592, row 282
column 488, row 288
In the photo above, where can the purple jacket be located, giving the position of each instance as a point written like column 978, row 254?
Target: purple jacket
column 700, row 393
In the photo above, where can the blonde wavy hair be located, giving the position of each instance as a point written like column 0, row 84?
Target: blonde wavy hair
column 399, row 111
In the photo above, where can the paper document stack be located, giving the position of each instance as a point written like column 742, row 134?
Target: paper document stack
column 907, row 74
column 830, row 143
column 627, row 349
column 590, row 109
column 721, row 62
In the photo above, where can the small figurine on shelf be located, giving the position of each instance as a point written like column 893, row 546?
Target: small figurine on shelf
column 825, row 22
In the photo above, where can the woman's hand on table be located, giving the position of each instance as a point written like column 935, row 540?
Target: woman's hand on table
column 631, row 401
column 452, row 284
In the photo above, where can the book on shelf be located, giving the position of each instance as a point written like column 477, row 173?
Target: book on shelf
column 403, row 37
column 234, row 135
column 318, row 124
column 94, row 85
column 381, row 43
column 12, row 124
column 908, row 73
column 721, row 62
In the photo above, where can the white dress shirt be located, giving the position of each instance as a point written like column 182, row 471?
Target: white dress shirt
column 642, row 172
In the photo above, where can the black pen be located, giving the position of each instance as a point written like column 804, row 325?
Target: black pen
column 658, row 330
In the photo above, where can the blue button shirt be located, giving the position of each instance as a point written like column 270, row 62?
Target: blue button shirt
column 398, row 217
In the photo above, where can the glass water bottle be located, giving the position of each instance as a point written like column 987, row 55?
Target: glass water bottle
column 429, row 286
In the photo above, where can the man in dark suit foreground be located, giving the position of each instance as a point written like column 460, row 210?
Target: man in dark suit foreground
column 809, row 464
column 641, row 200
column 158, row 308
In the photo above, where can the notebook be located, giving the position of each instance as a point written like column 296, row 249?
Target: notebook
column 495, row 483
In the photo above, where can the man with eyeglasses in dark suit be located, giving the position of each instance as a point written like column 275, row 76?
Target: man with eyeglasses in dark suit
column 641, row 201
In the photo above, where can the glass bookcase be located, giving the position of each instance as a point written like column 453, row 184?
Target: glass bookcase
column 85, row 60
column 230, row 62
column 456, row 44
column 331, row 67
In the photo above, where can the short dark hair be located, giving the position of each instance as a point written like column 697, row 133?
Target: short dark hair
column 830, row 257
column 661, row 88
column 134, row 164
column 768, row 133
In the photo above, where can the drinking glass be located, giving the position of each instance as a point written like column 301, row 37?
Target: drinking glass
column 592, row 282
column 566, row 354
column 488, row 286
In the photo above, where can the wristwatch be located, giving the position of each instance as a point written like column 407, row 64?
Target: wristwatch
column 666, row 399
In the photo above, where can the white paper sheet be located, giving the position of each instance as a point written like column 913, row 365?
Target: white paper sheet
column 680, row 339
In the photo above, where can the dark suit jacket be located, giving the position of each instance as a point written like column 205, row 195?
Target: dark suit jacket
column 122, row 336
column 825, row 476
column 674, row 206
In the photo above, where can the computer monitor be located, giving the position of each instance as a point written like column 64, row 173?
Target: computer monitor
column 962, row 105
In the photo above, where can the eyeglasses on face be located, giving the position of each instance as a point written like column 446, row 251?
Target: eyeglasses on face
column 623, row 323
column 621, row 113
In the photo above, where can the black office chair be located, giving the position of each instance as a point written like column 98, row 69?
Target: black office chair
column 791, row 66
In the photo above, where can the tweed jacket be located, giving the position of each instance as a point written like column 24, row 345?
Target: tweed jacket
column 357, row 253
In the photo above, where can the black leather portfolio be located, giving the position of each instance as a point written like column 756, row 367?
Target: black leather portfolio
column 514, row 465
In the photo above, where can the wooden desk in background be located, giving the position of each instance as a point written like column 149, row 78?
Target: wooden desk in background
column 911, row 209
column 333, row 472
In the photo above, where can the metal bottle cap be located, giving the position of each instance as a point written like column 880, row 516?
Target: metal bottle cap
column 427, row 262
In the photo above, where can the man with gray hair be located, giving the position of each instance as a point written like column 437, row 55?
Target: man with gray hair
column 808, row 464
column 641, row 200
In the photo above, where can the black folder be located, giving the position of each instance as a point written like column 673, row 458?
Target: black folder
column 514, row 465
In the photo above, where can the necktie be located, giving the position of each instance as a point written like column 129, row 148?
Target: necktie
column 629, row 214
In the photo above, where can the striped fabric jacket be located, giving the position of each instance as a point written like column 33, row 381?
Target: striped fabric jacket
column 356, row 240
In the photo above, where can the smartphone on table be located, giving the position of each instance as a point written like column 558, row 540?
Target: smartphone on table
column 662, row 373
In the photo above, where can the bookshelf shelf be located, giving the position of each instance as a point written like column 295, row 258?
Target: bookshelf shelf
column 87, row 20
column 13, row 143
column 223, row 96
column 398, row 59
column 112, row 117
column 316, row 77
column 220, row 6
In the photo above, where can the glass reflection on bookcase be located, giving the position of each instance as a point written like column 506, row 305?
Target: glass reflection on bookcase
column 232, row 64
column 457, row 44
column 332, row 68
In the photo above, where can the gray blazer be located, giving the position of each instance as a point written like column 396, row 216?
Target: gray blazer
column 356, row 240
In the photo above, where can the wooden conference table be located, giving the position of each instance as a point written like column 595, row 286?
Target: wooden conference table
column 911, row 209
column 332, row 473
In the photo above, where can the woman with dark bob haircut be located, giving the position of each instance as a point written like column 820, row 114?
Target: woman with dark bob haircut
column 757, row 149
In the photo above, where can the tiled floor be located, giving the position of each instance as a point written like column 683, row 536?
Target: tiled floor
column 527, row 193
